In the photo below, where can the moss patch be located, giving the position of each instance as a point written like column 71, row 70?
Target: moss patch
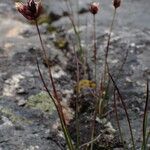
column 41, row 101
column 83, row 84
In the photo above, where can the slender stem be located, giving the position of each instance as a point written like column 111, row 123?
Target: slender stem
column 106, row 65
column 79, row 40
column 45, row 86
column 94, row 45
column 56, row 99
column 77, row 105
column 49, row 69
column 71, row 17
column 117, row 119
column 93, row 128
column 94, row 119
column 43, row 81
column 94, row 140
column 86, row 52
column 123, row 63
column 109, row 36
column 106, row 68
column 148, row 135
column 98, row 109
column 145, row 118
column 78, row 20
column 50, row 73
column 95, row 72
column 125, row 109
column 46, row 59
column 69, row 5
column 66, row 133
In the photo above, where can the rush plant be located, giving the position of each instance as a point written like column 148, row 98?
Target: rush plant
column 31, row 10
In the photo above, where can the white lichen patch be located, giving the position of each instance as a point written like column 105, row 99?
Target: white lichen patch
column 11, row 85
column 114, row 61
column 6, row 123
column 57, row 72
column 66, row 94
column 128, row 79
column 32, row 148
column 8, row 46
column 110, row 128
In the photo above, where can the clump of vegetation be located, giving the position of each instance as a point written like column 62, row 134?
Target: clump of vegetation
column 98, row 86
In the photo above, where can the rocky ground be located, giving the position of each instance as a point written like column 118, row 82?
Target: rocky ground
column 28, row 119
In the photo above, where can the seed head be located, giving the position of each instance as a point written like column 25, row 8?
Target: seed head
column 94, row 7
column 30, row 10
column 116, row 3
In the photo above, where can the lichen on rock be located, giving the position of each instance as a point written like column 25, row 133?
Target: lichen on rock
column 41, row 101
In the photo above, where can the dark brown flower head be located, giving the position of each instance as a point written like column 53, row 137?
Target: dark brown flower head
column 94, row 7
column 30, row 10
column 116, row 3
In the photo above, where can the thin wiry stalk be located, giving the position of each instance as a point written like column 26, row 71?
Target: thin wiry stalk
column 44, row 84
column 94, row 45
column 77, row 33
column 69, row 5
column 106, row 65
column 49, row 69
column 117, row 119
column 71, row 18
column 93, row 127
column 105, row 98
column 106, row 68
column 78, row 38
column 46, row 59
column 100, row 90
column 77, row 105
column 125, row 109
column 148, row 135
column 145, row 118
column 56, row 100
column 98, row 100
column 92, row 141
column 85, row 51
column 109, row 36
column 78, row 19
column 66, row 133
column 98, row 109
column 123, row 63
